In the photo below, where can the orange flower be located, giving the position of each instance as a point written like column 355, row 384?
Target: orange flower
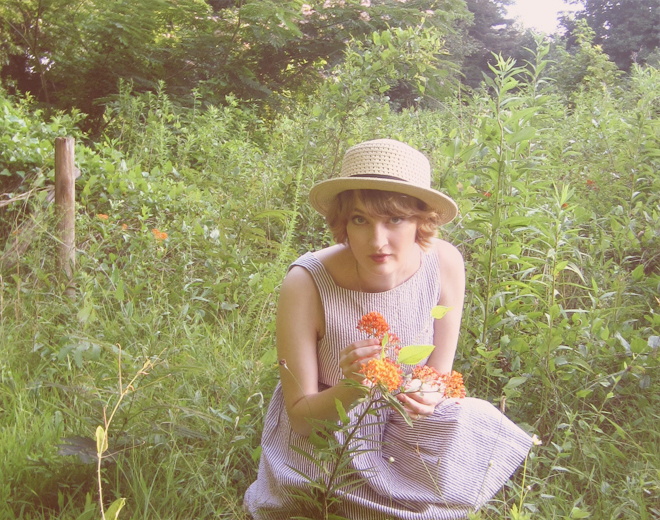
column 383, row 372
column 124, row 227
column 374, row 325
column 159, row 235
column 564, row 205
column 590, row 182
column 454, row 384
column 426, row 374
column 102, row 216
column 487, row 194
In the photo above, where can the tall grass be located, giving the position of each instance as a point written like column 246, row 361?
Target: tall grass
column 559, row 227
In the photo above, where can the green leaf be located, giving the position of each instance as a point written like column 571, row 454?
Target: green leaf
column 515, row 382
column 112, row 513
column 413, row 354
column 439, row 311
column 256, row 454
column 638, row 273
column 343, row 417
column 85, row 312
column 579, row 513
column 119, row 292
column 584, row 393
column 525, row 134
column 561, row 266
column 317, row 441
column 269, row 357
column 101, row 441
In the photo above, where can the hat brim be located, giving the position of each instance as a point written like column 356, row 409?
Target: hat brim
column 322, row 194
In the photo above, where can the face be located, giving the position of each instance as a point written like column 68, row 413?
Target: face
column 382, row 246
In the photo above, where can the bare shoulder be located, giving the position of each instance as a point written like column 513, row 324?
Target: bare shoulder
column 298, row 283
column 451, row 259
column 332, row 255
column 300, row 302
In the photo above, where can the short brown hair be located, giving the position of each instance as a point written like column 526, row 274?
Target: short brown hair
column 383, row 204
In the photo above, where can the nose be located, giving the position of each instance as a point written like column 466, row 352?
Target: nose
column 378, row 235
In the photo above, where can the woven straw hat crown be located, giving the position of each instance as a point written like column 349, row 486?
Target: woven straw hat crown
column 387, row 165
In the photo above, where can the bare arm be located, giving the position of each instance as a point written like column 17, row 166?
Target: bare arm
column 452, row 294
column 300, row 324
column 445, row 330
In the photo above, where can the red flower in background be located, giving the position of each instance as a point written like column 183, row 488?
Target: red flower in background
column 159, row 235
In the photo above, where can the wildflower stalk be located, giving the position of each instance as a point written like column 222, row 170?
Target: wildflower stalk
column 342, row 453
column 102, row 434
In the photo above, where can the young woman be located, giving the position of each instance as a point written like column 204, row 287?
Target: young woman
column 384, row 217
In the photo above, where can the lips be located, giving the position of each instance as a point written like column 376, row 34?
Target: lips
column 379, row 259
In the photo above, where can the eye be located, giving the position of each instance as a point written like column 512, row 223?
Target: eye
column 396, row 220
column 358, row 220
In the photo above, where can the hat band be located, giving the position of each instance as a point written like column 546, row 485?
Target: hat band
column 375, row 175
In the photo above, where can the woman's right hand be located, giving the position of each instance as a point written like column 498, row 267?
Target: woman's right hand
column 357, row 354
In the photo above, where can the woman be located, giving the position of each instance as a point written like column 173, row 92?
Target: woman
column 458, row 454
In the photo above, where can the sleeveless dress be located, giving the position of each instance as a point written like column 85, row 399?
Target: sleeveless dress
column 446, row 465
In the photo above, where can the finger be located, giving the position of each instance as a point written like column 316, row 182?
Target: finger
column 359, row 344
column 426, row 398
column 414, row 407
column 363, row 354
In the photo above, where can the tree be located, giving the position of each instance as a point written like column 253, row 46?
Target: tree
column 628, row 30
column 73, row 53
column 491, row 32
column 585, row 66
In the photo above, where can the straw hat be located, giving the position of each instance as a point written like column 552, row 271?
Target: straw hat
column 387, row 165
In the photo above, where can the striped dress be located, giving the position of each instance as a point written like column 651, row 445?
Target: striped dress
column 441, row 468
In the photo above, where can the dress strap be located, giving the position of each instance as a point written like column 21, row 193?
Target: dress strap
column 324, row 282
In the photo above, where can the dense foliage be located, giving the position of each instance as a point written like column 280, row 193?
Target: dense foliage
column 72, row 54
column 628, row 30
column 188, row 217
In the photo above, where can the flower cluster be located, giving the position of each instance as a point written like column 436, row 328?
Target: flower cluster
column 373, row 325
column 383, row 372
column 386, row 371
column 159, row 235
column 426, row 374
column 454, row 386
column 102, row 216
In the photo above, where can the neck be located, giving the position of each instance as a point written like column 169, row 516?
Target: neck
column 368, row 282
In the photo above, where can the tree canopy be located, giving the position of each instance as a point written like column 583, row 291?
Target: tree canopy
column 73, row 53
column 628, row 30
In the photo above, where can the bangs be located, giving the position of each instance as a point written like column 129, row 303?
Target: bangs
column 382, row 204
column 385, row 204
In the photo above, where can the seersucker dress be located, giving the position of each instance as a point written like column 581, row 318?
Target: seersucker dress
column 441, row 468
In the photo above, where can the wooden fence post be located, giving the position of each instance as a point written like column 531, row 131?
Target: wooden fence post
column 65, row 204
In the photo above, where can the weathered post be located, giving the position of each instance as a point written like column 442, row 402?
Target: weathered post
column 65, row 204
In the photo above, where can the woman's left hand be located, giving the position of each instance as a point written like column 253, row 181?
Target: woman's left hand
column 420, row 403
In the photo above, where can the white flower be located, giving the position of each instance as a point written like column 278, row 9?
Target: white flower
column 306, row 10
column 536, row 441
column 365, row 16
column 365, row 3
